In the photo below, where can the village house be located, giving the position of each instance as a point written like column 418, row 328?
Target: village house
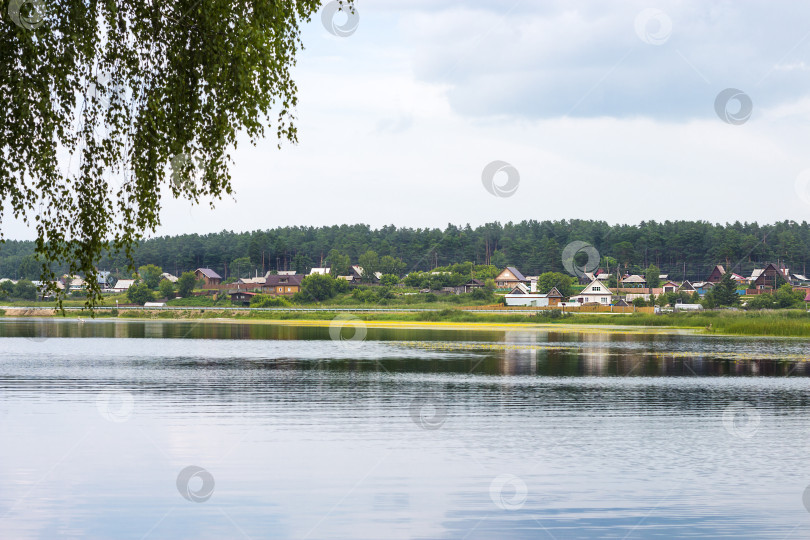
column 510, row 278
column 771, row 277
column 633, row 282
column 473, row 284
column 717, row 274
column 252, row 282
column 687, row 287
column 242, row 297
column 104, row 279
column 73, row 283
column 520, row 295
column 320, row 271
column 168, row 277
column 122, row 285
column 209, row 276
column 278, row 284
column 595, row 292
column 669, row 287
column 703, row 287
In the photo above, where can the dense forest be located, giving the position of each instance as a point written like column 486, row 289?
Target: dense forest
column 684, row 249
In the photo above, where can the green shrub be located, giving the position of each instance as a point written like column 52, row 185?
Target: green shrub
column 267, row 301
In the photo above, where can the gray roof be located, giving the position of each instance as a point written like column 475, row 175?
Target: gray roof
column 207, row 272
column 516, row 273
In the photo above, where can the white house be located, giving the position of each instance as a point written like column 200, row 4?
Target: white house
column 123, row 285
column 595, row 291
column 320, row 271
column 522, row 295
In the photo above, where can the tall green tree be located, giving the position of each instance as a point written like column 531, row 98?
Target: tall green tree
column 564, row 283
column 724, row 293
column 185, row 284
column 240, row 267
column 25, row 290
column 339, row 263
column 166, row 289
column 317, row 287
column 301, row 264
column 140, row 293
column 370, row 263
column 391, row 265
column 150, row 274
column 147, row 97
column 651, row 276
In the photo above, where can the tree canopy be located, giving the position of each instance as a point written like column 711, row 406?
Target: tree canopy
column 109, row 104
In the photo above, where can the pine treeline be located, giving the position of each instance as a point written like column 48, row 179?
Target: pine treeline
column 532, row 246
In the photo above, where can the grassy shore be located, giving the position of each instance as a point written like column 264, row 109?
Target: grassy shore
column 779, row 323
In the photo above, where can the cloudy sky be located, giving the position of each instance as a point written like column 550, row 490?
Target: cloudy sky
column 603, row 110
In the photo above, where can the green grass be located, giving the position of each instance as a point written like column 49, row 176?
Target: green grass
column 780, row 323
column 786, row 323
column 201, row 301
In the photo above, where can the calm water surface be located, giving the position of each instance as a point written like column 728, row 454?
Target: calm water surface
column 405, row 434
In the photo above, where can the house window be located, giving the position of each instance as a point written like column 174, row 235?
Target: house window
column 604, row 300
column 597, row 289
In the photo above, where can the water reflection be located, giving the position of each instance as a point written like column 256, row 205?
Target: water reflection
column 415, row 434
column 509, row 352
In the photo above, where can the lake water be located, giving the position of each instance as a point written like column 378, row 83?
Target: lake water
column 150, row 430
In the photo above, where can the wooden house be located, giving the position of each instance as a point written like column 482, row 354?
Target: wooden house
column 282, row 284
column 509, row 278
column 209, row 276
column 473, row 284
column 669, row 287
column 687, row 287
column 242, row 297
column 703, row 287
column 634, row 282
column 771, row 277
column 716, row 274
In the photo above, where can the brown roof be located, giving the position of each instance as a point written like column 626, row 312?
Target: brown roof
column 273, row 280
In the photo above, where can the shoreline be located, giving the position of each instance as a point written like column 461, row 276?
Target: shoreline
column 787, row 323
